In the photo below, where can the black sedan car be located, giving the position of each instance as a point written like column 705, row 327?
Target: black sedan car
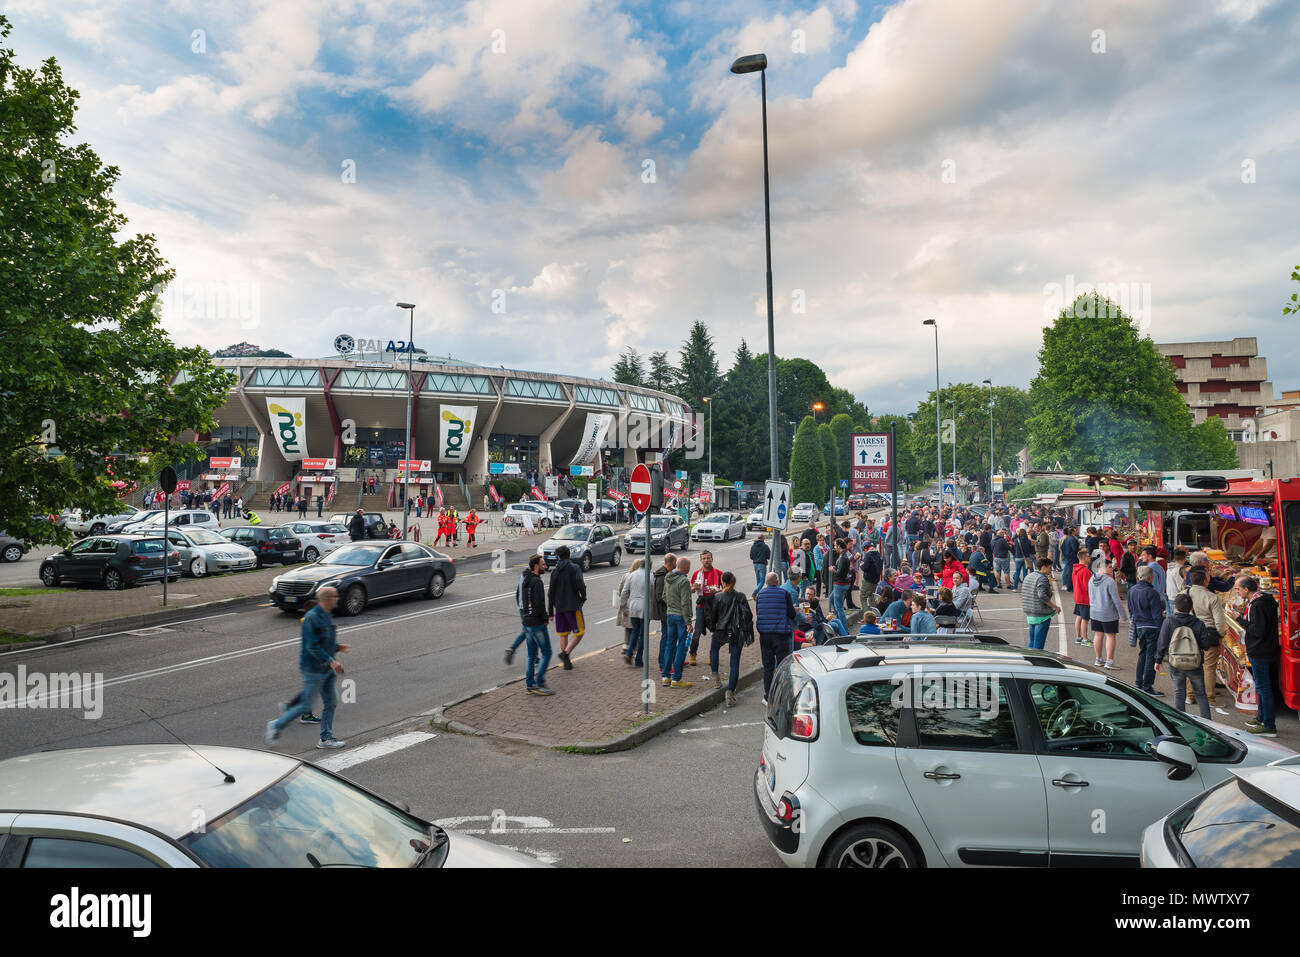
column 114, row 561
column 668, row 533
column 365, row 572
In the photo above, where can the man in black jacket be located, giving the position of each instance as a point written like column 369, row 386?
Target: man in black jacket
column 1261, row 640
column 760, row 556
column 568, row 593
column 357, row 526
column 531, row 598
column 659, row 608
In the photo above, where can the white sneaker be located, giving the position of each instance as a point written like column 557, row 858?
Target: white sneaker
column 1109, row 666
column 1222, row 710
column 330, row 743
column 1097, row 663
column 272, row 733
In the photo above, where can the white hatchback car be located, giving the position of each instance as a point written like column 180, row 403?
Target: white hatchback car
column 970, row 751
column 755, row 521
column 804, row 512
column 319, row 537
column 168, row 805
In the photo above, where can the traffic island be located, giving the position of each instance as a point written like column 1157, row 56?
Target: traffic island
column 596, row 707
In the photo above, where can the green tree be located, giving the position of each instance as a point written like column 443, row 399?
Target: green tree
column 807, row 465
column 830, row 461
column 1293, row 306
column 1104, row 396
column 968, row 405
column 662, row 375
column 629, row 369
column 87, row 385
column 1209, row 446
column 842, row 427
column 697, row 370
column 740, row 446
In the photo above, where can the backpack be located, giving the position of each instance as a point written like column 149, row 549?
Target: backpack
column 1184, row 652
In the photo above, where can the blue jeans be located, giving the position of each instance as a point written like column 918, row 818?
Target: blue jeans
column 313, row 683
column 1038, row 634
column 539, row 654
column 1262, row 669
column 714, row 647
column 1021, row 570
column 1147, row 638
column 672, row 648
column 635, row 644
column 760, row 575
column 519, row 638
column 837, row 605
column 1067, row 577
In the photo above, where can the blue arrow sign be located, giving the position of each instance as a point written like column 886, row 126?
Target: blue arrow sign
column 780, row 512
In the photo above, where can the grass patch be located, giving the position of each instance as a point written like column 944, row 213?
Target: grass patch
column 9, row 638
column 15, row 592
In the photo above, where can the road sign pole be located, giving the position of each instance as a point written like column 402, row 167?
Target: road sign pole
column 640, row 488
column 893, row 494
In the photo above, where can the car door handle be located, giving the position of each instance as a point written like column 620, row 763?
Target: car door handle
column 941, row 776
column 1062, row 783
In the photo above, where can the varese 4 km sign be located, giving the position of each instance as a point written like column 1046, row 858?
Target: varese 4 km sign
column 870, row 462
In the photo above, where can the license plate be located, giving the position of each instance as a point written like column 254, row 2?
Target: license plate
column 291, row 554
column 292, row 601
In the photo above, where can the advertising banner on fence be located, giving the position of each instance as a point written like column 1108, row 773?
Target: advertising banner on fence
column 221, row 492
column 283, row 488
column 870, row 462
column 593, row 437
column 289, row 426
column 455, row 429
column 536, row 493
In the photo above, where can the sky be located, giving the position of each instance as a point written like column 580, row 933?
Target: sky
column 553, row 181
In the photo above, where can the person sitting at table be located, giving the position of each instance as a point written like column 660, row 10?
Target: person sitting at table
column 869, row 626
column 962, row 597
column 922, row 622
column 925, row 576
column 944, row 606
column 821, row 628
column 897, row 609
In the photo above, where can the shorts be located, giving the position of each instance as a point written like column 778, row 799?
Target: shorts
column 569, row 623
column 1082, row 611
column 1106, row 627
column 1002, row 566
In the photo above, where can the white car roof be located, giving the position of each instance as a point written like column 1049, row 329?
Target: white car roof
column 943, row 651
column 156, row 785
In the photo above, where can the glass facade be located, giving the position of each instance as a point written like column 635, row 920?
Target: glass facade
column 595, row 396
column 286, row 378
column 531, row 389
column 457, row 384
column 371, row 380
column 645, row 403
column 504, row 447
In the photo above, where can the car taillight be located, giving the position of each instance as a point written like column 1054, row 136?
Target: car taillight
column 265, row 545
column 786, row 808
column 803, row 720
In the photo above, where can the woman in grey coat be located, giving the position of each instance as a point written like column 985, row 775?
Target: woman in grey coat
column 631, row 613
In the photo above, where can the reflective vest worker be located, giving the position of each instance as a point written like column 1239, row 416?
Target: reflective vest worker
column 471, row 524
column 252, row 517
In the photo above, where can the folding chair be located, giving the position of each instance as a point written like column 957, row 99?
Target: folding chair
column 973, row 608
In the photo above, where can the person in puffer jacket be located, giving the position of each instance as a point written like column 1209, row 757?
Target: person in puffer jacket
column 1103, row 611
column 1146, row 609
column 774, row 618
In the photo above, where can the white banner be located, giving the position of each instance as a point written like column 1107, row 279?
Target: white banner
column 289, row 426
column 455, row 429
column 593, row 437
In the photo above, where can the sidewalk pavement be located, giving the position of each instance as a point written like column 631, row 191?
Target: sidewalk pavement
column 597, row 707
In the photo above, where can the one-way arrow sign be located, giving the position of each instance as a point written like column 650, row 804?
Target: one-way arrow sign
column 776, row 505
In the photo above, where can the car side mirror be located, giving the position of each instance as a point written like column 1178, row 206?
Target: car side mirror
column 1177, row 754
column 385, row 564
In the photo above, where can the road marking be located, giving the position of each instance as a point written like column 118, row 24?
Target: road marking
column 498, row 821
column 606, row 621
column 719, row 727
column 375, row 749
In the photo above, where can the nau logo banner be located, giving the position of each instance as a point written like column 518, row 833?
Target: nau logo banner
column 455, row 426
column 593, row 436
column 288, row 426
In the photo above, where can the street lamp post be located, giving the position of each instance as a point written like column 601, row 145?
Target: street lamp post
column 954, row 452
column 989, row 383
column 708, row 400
column 410, row 396
column 938, row 423
column 757, row 63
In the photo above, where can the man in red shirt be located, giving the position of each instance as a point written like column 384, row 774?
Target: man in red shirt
column 706, row 581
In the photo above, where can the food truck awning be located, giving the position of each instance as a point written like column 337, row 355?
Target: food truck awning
column 1261, row 492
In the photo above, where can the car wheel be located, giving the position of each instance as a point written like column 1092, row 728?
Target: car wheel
column 354, row 600
column 97, row 528
column 586, row 561
column 616, row 558
column 197, row 568
column 113, row 580
column 870, row 845
column 686, row 544
column 49, row 577
column 310, row 555
column 11, row 553
column 437, row 585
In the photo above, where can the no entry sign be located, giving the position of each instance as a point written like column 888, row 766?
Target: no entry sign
column 639, row 486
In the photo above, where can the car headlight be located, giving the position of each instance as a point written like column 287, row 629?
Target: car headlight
column 274, row 581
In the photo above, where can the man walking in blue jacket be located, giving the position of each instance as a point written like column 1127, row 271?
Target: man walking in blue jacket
column 774, row 618
column 1146, row 609
column 319, row 666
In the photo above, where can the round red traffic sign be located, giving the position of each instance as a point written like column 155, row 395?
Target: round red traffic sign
column 639, row 487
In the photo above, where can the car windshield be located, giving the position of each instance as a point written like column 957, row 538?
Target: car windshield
column 572, row 533
column 333, row 529
column 660, row 521
column 201, row 536
column 717, row 519
column 354, row 555
column 1238, row 825
column 311, row 819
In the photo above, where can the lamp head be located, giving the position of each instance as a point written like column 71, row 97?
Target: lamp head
column 406, row 305
column 750, row 64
